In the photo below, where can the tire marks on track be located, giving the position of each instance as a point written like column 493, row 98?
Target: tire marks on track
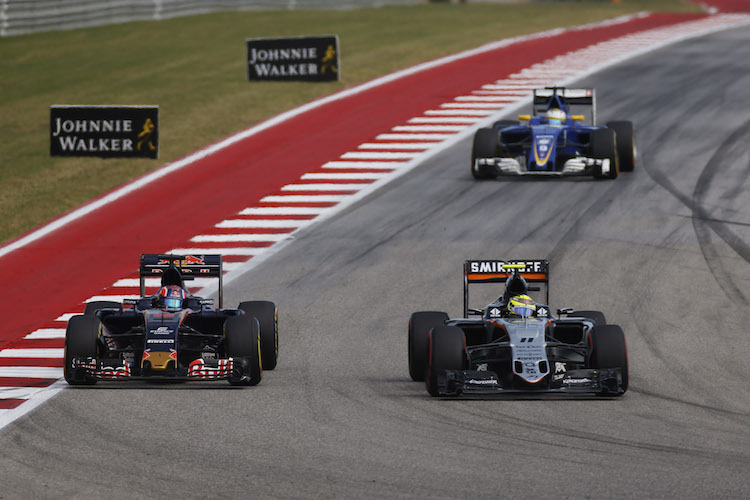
column 732, row 151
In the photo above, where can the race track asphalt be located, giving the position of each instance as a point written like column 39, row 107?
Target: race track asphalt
column 663, row 251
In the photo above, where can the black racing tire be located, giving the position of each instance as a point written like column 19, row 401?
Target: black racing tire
column 485, row 146
column 596, row 316
column 267, row 315
column 92, row 307
column 446, row 351
column 81, row 341
column 501, row 124
column 420, row 325
column 608, row 350
column 626, row 150
column 604, row 146
column 242, row 337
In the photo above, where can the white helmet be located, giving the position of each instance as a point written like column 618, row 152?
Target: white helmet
column 555, row 116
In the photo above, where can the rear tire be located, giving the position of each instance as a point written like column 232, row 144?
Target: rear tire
column 626, row 151
column 81, row 341
column 242, row 337
column 485, row 146
column 447, row 345
column 596, row 316
column 608, row 350
column 268, row 317
column 420, row 325
column 92, row 307
column 604, row 147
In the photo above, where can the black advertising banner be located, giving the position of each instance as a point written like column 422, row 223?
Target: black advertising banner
column 104, row 131
column 304, row 58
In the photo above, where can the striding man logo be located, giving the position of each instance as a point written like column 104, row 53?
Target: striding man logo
column 144, row 137
column 328, row 61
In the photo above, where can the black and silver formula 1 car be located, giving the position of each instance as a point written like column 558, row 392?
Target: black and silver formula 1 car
column 502, row 348
column 553, row 141
column 172, row 334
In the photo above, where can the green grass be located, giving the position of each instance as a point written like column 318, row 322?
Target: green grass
column 193, row 68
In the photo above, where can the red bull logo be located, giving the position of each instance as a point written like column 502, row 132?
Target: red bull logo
column 188, row 260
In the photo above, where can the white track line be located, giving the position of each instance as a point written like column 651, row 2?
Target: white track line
column 344, row 176
column 473, row 105
column 227, row 238
column 306, row 198
column 262, row 224
column 485, row 98
column 283, row 210
column 377, row 155
column 429, row 128
column 398, row 145
column 18, row 392
column 494, row 93
column 324, row 187
column 31, row 372
column 407, row 136
column 458, row 112
column 111, row 298
column 31, row 352
column 444, row 119
column 375, row 165
column 46, row 333
column 505, row 92
column 512, row 86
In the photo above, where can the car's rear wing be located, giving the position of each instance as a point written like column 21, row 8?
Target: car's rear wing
column 189, row 266
column 498, row 271
column 574, row 101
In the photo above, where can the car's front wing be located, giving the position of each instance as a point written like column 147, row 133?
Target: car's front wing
column 199, row 369
column 572, row 167
column 474, row 382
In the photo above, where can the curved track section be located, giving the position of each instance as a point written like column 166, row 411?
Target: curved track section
column 663, row 251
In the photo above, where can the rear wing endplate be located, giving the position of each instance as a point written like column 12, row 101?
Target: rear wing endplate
column 190, row 267
column 492, row 271
column 580, row 99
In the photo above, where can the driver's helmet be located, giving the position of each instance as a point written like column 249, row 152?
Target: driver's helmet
column 171, row 297
column 555, row 116
column 522, row 305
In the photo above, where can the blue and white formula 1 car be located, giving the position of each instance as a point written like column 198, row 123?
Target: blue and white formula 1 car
column 554, row 142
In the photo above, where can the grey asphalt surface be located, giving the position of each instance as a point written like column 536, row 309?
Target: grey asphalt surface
column 663, row 251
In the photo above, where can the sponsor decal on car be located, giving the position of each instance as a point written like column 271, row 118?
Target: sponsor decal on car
column 187, row 260
column 482, row 381
column 575, row 381
column 496, row 266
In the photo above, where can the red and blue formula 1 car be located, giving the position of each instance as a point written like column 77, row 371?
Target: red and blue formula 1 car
column 515, row 344
column 553, row 141
column 172, row 334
